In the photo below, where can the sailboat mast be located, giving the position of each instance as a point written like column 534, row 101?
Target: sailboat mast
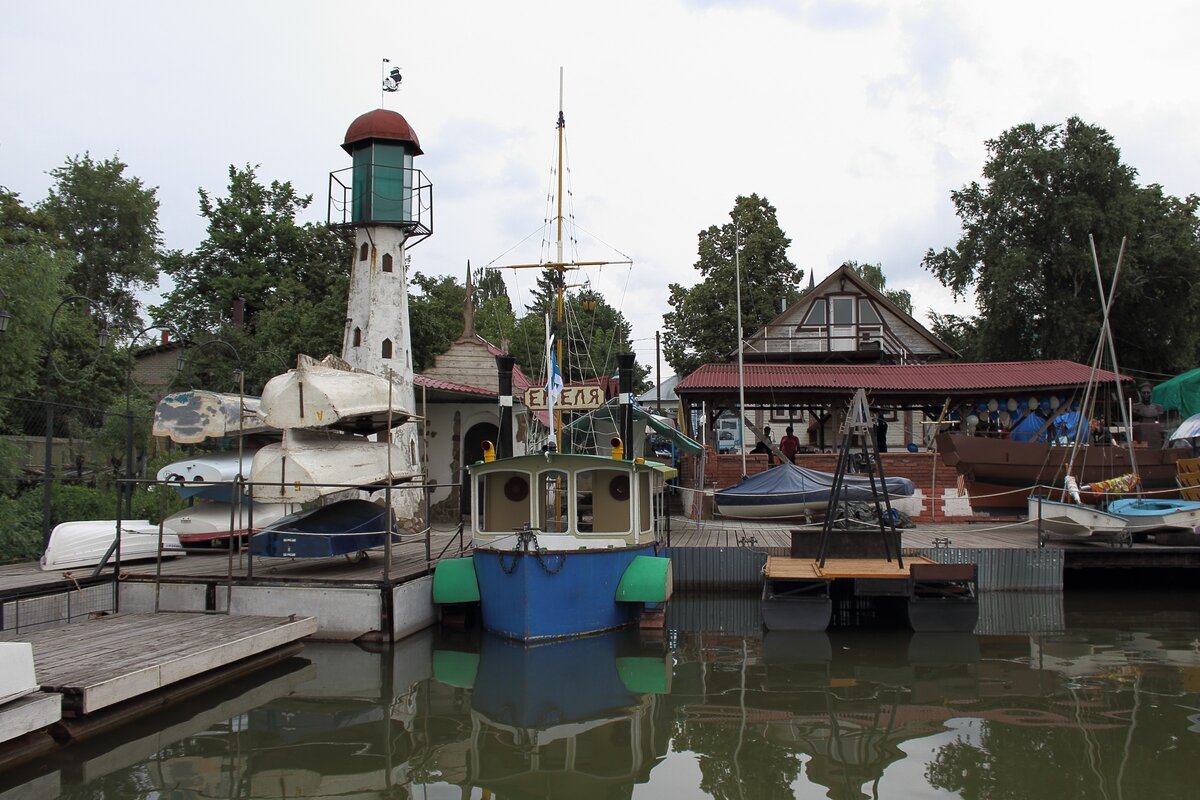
column 562, row 273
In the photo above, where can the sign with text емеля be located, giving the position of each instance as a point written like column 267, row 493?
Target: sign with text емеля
column 573, row 398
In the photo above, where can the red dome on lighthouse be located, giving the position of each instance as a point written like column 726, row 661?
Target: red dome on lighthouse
column 381, row 124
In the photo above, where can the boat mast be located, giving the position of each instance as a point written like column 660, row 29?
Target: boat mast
column 737, row 279
column 562, row 273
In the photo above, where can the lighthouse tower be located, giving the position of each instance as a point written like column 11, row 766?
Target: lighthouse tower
column 388, row 206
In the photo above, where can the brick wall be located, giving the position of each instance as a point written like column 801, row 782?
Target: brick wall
column 924, row 469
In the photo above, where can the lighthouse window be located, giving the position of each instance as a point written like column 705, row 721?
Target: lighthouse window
column 387, row 262
column 357, row 337
column 362, row 252
column 387, row 348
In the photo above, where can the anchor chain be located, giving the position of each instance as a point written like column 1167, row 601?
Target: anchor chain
column 527, row 539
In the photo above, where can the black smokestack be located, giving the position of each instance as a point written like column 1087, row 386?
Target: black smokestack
column 625, row 389
column 504, row 368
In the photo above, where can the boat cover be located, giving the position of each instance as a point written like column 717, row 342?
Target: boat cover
column 788, row 480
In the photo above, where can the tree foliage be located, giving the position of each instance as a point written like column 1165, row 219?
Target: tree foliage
column 108, row 224
column 701, row 326
column 292, row 278
column 1025, row 251
column 257, row 251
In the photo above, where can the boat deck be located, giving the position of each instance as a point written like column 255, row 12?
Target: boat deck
column 101, row 662
column 837, row 568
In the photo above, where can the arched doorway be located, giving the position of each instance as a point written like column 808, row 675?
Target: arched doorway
column 477, row 434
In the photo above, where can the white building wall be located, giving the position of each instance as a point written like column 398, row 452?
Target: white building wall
column 377, row 308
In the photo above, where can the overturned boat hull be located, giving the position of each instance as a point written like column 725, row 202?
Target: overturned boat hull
column 213, row 522
column 344, row 528
column 84, row 543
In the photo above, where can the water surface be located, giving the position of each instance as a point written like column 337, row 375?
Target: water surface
column 1095, row 696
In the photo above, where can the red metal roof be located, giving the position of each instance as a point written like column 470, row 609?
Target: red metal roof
column 941, row 377
column 450, row 386
column 381, row 124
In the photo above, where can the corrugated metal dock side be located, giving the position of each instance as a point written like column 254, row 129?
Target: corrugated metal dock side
column 733, row 613
column 708, row 568
column 1020, row 613
column 1005, row 569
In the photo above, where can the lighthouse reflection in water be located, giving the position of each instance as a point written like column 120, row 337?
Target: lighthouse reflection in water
column 1097, row 699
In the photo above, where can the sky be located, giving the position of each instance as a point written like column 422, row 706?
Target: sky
column 856, row 120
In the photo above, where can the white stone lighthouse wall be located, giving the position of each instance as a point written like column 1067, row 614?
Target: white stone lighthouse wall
column 377, row 340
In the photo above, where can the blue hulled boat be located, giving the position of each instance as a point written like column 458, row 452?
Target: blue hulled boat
column 347, row 527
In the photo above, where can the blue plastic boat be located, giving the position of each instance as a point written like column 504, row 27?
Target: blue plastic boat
column 1144, row 515
column 339, row 529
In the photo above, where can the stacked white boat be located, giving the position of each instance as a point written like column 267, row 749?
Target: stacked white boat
column 327, row 411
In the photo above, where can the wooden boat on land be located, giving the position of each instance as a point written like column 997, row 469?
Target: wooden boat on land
column 85, row 543
column 345, row 528
column 1075, row 520
column 787, row 490
column 308, row 465
column 213, row 522
column 196, row 415
column 1144, row 514
column 330, row 394
column 1000, row 473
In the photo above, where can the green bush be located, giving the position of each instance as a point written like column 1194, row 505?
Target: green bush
column 21, row 516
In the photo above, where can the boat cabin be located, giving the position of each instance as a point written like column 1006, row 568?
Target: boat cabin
column 570, row 501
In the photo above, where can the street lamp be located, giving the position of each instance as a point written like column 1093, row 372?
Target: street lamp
column 52, row 370
column 179, row 364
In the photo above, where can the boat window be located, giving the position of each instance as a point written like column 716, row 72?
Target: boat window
column 553, row 501
column 607, row 500
column 387, row 262
column 644, row 517
column 866, row 312
column 502, row 501
column 816, row 314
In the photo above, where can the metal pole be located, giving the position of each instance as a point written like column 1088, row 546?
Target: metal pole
column 737, row 271
column 657, row 373
column 128, row 488
column 48, row 466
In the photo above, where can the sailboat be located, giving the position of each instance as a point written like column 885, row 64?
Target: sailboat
column 565, row 544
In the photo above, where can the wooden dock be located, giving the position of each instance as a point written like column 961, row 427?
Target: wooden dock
column 836, row 568
column 109, row 660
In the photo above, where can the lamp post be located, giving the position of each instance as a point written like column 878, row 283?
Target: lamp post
column 52, row 371
column 128, row 489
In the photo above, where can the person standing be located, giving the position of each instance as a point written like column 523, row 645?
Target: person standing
column 789, row 444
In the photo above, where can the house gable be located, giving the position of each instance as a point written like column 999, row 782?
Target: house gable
column 845, row 316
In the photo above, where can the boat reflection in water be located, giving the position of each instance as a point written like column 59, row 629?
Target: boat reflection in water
column 1102, row 701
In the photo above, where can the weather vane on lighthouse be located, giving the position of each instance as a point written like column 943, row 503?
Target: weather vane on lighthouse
column 391, row 77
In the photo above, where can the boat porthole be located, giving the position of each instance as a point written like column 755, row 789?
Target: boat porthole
column 618, row 487
column 516, row 489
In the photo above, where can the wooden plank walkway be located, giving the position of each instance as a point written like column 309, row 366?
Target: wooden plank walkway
column 108, row 660
column 408, row 559
column 807, row 568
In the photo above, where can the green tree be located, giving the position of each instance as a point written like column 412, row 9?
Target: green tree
column 957, row 331
column 701, row 325
column 434, row 316
column 873, row 275
column 292, row 279
column 108, row 223
column 257, row 251
column 1025, row 251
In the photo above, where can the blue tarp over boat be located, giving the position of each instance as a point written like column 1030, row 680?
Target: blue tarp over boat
column 788, row 491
